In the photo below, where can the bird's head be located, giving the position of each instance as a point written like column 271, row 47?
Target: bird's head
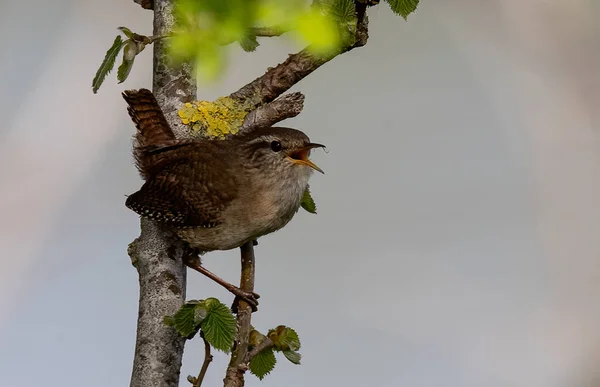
column 283, row 151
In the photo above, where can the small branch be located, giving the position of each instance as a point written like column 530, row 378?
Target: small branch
column 265, row 344
column 207, row 359
column 234, row 376
column 287, row 106
column 280, row 78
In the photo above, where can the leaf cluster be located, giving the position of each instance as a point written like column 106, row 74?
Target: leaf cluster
column 133, row 45
column 211, row 316
column 283, row 339
column 218, row 326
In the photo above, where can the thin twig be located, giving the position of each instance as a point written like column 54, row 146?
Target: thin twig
column 266, row 343
column 208, row 357
column 269, row 31
column 234, row 376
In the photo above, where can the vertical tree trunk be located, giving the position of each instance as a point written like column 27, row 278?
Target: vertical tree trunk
column 155, row 254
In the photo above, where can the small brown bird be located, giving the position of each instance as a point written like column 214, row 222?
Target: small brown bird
column 217, row 194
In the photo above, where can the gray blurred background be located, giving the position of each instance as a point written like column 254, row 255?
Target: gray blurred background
column 457, row 237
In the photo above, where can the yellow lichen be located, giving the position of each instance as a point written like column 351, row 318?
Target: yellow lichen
column 215, row 119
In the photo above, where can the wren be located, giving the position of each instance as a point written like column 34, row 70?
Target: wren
column 217, row 194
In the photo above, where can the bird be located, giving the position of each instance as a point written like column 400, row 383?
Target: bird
column 217, row 194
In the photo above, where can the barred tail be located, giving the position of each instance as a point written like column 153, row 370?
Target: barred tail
column 152, row 127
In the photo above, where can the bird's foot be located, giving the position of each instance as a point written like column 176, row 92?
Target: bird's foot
column 251, row 298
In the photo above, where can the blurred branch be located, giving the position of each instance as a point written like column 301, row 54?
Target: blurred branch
column 259, row 94
column 269, row 31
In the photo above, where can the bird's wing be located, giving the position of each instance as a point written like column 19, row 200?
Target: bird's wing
column 189, row 193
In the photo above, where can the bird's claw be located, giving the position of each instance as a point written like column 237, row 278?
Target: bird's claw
column 250, row 297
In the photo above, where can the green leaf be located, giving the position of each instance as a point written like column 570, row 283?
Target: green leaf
column 308, row 202
column 124, row 70
column 292, row 356
column 403, row 7
column 290, row 340
column 126, row 31
column 284, row 338
column 185, row 320
column 129, row 53
column 263, row 363
column 219, row 325
column 107, row 64
column 249, row 43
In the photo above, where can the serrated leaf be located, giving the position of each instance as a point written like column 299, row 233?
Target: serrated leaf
column 219, row 325
column 184, row 319
column 290, row 340
column 308, row 202
column 292, row 356
column 107, row 64
column 403, row 7
column 284, row 338
column 263, row 363
column 249, row 43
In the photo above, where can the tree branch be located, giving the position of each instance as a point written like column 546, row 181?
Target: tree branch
column 156, row 254
column 266, row 343
column 280, row 78
column 287, row 106
column 234, row 376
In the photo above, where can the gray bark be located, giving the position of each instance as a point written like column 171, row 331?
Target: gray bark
column 156, row 254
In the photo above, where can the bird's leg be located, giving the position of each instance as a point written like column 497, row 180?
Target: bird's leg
column 192, row 260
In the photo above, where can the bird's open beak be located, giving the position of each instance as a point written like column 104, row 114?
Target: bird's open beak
column 300, row 156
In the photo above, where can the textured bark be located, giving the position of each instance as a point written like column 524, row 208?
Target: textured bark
column 156, row 254
column 287, row 106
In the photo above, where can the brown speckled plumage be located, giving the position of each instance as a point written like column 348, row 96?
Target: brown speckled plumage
column 216, row 194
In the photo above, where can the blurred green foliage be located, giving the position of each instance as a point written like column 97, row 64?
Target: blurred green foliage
column 203, row 27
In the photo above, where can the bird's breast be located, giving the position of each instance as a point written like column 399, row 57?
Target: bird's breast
column 258, row 210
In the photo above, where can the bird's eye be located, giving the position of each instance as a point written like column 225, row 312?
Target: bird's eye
column 276, row 146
